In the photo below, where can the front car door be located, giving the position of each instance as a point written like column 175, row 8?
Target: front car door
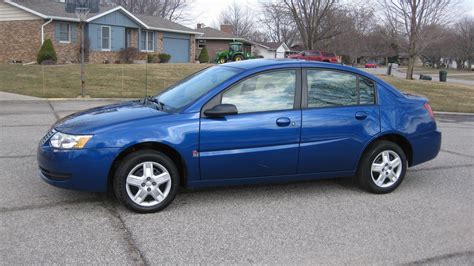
column 339, row 117
column 263, row 138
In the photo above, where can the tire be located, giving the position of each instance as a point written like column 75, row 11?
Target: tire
column 221, row 61
column 379, row 175
column 146, row 181
column 238, row 58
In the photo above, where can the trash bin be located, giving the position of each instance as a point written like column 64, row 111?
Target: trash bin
column 443, row 76
column 389, row 69
column 425, row 77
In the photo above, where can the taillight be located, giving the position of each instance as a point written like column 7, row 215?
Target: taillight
column 428, row 108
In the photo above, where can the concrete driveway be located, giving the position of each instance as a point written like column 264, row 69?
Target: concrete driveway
column 429, row 219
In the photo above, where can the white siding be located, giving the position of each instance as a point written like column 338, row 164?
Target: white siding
column 280, row 52
column 268, row 54
column 9, row 13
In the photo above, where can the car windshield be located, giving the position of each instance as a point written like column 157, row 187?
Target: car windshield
column 193, row 87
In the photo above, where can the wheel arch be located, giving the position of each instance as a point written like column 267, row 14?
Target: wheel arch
column 169, row 151
column 396, row 138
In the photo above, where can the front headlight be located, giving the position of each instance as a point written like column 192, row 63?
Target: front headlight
column 66, row 141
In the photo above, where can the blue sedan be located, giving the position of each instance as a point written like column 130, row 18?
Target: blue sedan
column 257, row 121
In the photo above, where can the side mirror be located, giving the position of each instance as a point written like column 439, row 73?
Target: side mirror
column 221, row 110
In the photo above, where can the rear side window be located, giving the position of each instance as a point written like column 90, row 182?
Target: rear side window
column 327, row 88
column 366, row 91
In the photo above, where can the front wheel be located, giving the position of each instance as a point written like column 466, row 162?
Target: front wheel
column 382, row 167
column 221, row 61
column 146, row 181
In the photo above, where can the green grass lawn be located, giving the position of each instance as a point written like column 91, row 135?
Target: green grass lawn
column 102, row 81
column 443, row 96
column 129, row 81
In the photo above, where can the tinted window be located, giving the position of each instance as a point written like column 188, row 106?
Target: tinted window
column 193, row 87
column 264, row 92
column 329, row 54
column 312, row 53
column 331, row 88
column 367, row 91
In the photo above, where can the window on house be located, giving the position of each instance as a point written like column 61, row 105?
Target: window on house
column 147, row 41
column 64, row 32
column 106, row 33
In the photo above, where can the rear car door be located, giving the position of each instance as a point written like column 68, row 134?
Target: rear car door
column 340, row 115
column 263, row 138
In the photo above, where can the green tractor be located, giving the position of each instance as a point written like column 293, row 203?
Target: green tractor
column 235, row 53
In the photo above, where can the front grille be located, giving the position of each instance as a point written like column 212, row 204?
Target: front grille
column 47, row 137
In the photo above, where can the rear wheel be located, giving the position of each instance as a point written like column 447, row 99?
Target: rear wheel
column 146, row 181
column 382, row 167
column 238, row 57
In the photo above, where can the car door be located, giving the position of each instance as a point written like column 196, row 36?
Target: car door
column 263, row 138
column 339, row 117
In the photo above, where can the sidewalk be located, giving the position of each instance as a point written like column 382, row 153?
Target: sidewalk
column 6, row 96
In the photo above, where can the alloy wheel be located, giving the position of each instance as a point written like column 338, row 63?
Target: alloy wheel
column 386, row 168
column 148, row 184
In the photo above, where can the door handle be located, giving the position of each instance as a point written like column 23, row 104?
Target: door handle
column 361, row 115
column 283, row 122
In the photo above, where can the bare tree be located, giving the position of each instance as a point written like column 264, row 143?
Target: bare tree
column 240, row 17
column 278, row 23
column 315, row 20
column 170, row 9
column 413, row 16
column 464, row 42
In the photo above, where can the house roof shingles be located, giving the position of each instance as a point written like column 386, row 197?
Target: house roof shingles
column 211, row 33
column 52, row 8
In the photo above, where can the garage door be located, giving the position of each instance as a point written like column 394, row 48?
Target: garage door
column 177, row 46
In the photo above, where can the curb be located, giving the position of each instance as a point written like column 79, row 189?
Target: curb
column 91, row 99
column 453, row 113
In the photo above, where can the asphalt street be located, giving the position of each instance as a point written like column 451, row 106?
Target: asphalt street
column 429, row 219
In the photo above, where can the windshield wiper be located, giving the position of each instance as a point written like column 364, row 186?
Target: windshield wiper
column 156, row 101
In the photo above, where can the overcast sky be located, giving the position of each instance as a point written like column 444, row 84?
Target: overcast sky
column 207, row 11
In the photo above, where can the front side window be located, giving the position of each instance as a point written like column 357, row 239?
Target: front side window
column 106, row 32
column 64, row 32
column 327, row 88
column 268, row 91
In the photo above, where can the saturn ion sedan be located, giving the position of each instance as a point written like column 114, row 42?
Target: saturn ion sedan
column 256, row 121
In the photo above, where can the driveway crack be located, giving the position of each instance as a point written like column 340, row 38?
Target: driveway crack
column 136, row 253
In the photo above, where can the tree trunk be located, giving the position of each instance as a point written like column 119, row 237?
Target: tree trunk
column 411, row 65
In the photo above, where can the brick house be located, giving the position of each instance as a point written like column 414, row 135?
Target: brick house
column 25, row 24
column 218, row 40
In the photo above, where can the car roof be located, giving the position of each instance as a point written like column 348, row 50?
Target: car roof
column 263, row 63
column 258, row 63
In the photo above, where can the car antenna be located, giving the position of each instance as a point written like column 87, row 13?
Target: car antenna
column 146, row 79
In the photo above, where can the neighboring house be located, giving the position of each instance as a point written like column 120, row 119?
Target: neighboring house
column 218, row 40
column 271, row 49
column 25, row 24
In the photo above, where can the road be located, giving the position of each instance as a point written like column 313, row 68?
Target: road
column 399, row 74
column 428, row 220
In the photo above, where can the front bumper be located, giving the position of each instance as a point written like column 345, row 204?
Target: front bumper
column 86, row 169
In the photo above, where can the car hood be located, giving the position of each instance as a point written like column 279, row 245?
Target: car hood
column 99, row 118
